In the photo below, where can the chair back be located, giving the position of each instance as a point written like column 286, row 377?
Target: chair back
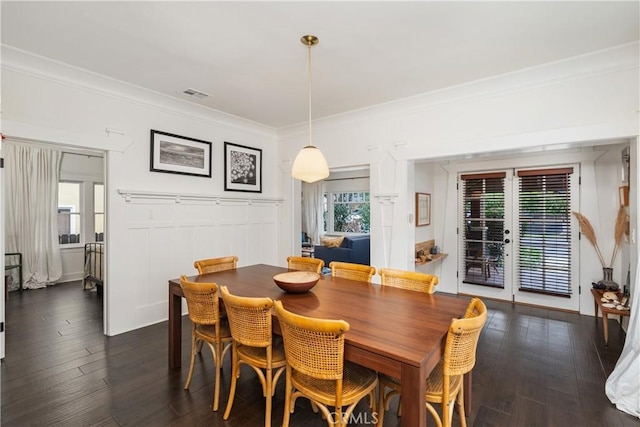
column 313, row 347
column 202, row 301
column 348, row 270
column 462, row 340
column 305, row 264
column 475, row 308
column 212, row 265
column 411, row 280
column 249, row 318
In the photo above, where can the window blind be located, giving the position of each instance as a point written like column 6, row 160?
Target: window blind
column 482, row 236
column 544, row 256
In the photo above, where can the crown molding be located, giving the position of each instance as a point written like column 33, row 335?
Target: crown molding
column 602, row 62
column 36, row 66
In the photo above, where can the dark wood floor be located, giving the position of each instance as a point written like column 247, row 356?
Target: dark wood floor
column 535, row 367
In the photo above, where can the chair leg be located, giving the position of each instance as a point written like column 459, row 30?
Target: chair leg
column 234, row 379
column 380, row 405
column 217, row 361
column 460, row 399
column 268, row 397
column 287, row 398
column 193, row 359
column 434, row 414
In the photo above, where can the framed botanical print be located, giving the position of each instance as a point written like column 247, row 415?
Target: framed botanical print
column 242, row 168
column 423, row 209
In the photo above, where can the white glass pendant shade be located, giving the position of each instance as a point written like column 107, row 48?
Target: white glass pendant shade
column 310, row 165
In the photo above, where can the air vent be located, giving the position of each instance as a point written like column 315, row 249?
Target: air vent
column 196, row 93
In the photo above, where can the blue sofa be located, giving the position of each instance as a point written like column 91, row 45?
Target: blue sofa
column 355, row 249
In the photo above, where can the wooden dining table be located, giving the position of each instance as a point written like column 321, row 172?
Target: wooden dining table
column 394, row 331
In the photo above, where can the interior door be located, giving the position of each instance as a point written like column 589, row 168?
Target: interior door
column 516, row 236
column 485, row 234
column 545, row 237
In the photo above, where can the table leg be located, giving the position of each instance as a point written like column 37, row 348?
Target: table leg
column 175, row 329
column 605, row 321
column 467, row 382
column 414, row 387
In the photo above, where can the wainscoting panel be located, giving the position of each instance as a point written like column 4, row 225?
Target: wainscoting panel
column 72, row 264
column 166, row 234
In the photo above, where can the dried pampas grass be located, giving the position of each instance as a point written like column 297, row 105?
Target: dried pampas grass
column 590, row 234
column 618, row 232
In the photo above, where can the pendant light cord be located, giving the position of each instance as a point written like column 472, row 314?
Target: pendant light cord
column 309, row 89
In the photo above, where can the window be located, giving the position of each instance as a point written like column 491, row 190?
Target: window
column 544, row 260
column 80, row 212
column 347, row 212
column 98, row 211
column 69, row 215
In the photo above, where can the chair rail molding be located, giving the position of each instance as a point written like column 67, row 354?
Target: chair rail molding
column 130, row 195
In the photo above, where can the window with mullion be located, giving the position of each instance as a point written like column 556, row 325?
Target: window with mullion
column 69, row 213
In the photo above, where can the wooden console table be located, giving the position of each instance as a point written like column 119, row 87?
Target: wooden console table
column 597, row 303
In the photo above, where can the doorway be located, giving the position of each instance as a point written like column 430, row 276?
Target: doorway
column 516, row 236
column 80, row 216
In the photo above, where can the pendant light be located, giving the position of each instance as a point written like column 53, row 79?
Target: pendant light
column 310, row 164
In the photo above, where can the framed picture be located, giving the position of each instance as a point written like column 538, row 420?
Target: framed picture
column 242, row 168
column 178, row 154
column 623, row 193
column 423, row 209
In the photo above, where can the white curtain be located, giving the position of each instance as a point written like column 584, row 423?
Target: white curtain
column 623, row 385
column 31, row 206
column 312, row 215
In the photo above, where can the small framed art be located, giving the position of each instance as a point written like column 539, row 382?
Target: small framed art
column 178, row 154
column 242, row 168
column 423, row 209
column 623, row 193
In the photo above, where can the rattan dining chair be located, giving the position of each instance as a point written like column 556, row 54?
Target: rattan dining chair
column 253, row 345
column 411, row 280
column 348, row 270
column 305, row 264
column 212, row 265
column 316, row 368
column 206, row 327
column 445, row 383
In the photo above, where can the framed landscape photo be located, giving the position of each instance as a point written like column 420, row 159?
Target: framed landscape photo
column 178, row 154
column 423, row 209
column 242, row 168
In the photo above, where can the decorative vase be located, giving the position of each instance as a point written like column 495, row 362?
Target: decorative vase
column 607, row 280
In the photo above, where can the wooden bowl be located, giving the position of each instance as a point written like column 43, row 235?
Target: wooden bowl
column 296, row 282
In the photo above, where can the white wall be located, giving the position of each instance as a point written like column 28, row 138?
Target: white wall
column 593, row 97
column 157, row 223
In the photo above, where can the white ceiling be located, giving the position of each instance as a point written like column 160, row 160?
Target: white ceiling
column 248, row 57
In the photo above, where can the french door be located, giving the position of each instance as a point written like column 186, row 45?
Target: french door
column 516, row 236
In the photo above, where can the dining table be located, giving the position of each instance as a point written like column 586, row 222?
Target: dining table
column 394, row 331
